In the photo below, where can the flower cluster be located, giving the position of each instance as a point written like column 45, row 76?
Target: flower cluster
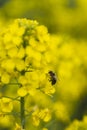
column 41, row 114
column 25, row 56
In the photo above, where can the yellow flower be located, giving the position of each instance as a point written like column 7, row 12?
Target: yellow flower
column 27, row 89
column 31, row 90
column 41, row 30
column 6, row 104
column 33, row 42
column 8, row 64
column 32, row 76
column 12, row 52
column 20, row 64
column 22, row 91
column 18, row 127
column 32, row 79
column 47, row 57
column 22, row 80
column 43, row 114
column 5, row 78
column 17, row 40
column 42, row 34
column 21, row 52
column 35, row 118
column 16, row 29
column 29, row 51
column 2, row 53
column 7, row 38
column 49, row 89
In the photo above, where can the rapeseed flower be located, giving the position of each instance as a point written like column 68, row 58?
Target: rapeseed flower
column 6, row 105
column 41, row 114
column 25, row 54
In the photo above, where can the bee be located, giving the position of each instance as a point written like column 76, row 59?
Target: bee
column 52, row 77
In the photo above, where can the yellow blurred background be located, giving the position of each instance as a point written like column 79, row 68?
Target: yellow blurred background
column 66, row 21
column 67, row 16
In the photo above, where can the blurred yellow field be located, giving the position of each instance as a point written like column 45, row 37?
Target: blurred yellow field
column 43, row 65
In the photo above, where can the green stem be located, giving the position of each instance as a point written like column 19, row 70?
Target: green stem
column 22, row 111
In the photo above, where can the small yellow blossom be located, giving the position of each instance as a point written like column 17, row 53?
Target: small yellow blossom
column 5, row 78
column 21, row 52
column 20, row 64
column 45, row 115
column 7, row 38
column 12, row 52
column 49, row 89
column 18, row 127
column 35, row 118
column 6, row 104
column 22, row 91
column 8, row 64
column 22, row 80
column 41, row 114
